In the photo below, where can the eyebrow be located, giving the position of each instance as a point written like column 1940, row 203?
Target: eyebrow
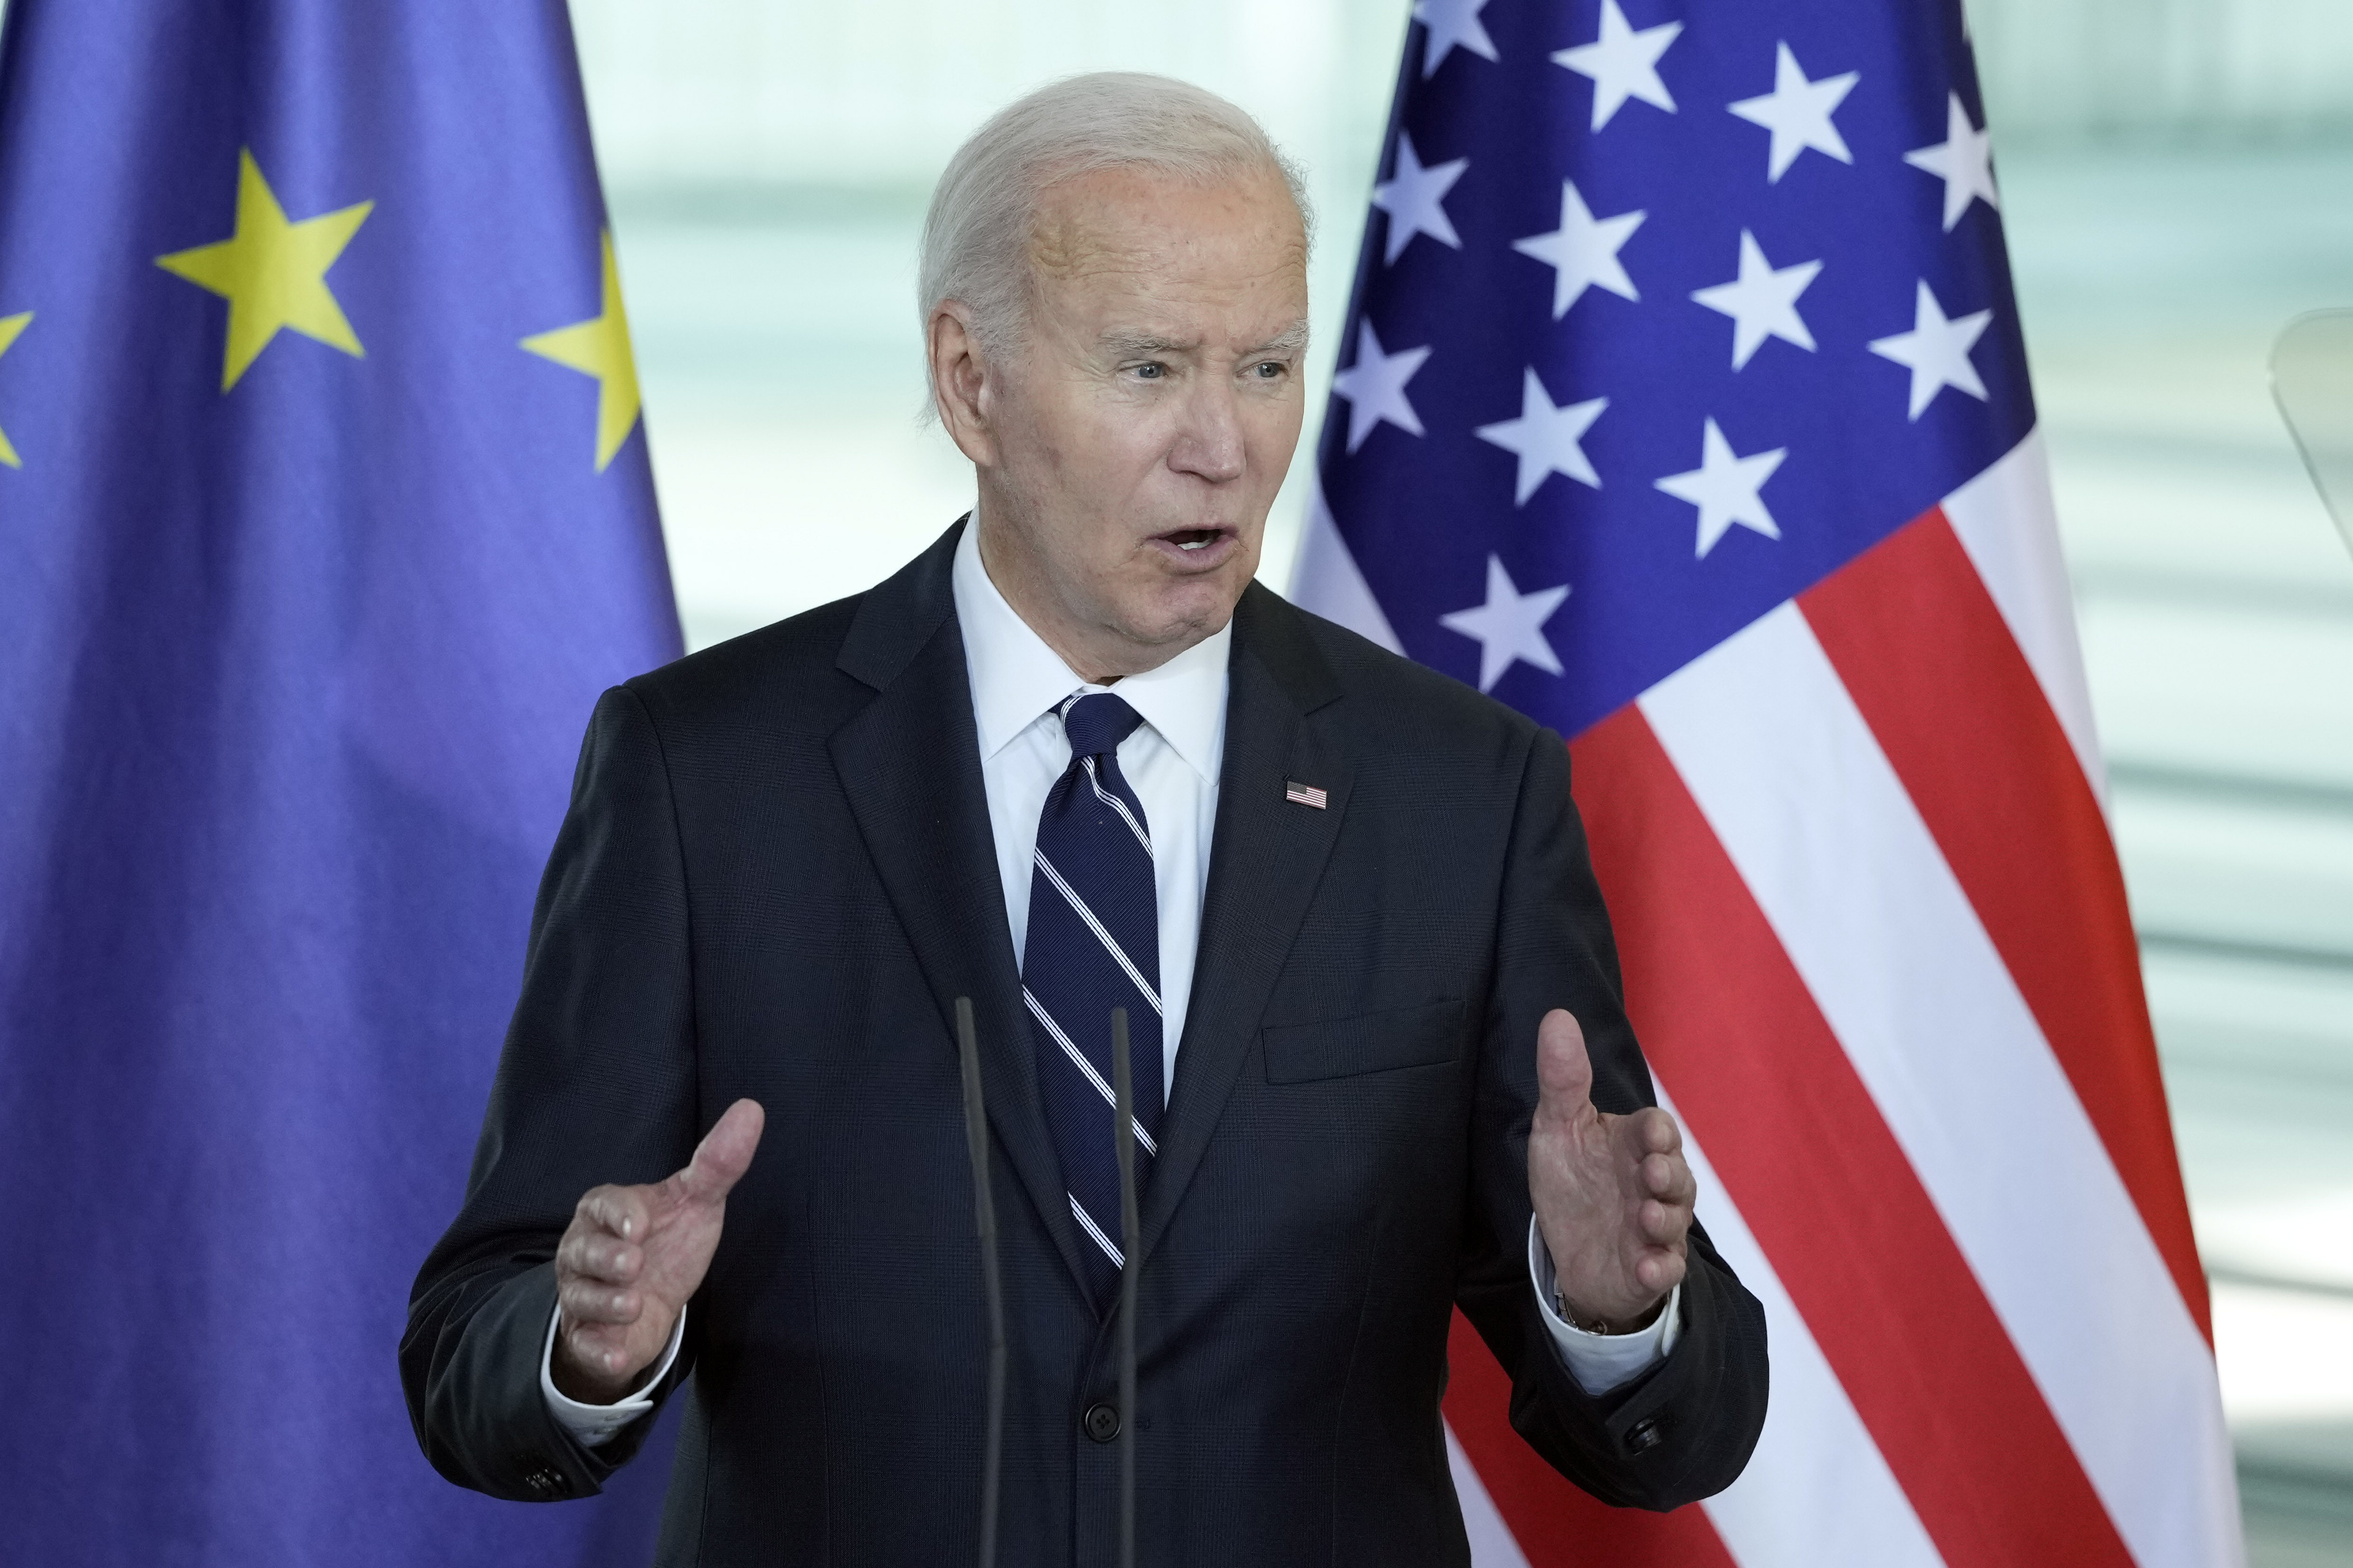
column 1291, row 340
column 1125, row 345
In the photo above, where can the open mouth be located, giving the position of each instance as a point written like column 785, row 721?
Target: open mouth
column 1193, row 538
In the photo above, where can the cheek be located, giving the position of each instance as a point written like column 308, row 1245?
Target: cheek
column 1123, row 450
column 1272, row 431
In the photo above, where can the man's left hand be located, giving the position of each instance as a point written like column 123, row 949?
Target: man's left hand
column 1613, row 1194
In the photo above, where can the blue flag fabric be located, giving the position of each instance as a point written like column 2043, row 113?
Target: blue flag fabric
column 323, row 517
column 1666, row 312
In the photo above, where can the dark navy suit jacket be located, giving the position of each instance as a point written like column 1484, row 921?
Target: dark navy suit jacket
column 775, row 877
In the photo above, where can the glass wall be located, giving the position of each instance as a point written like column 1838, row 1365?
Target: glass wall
column 2178, row 181
column 768, row 161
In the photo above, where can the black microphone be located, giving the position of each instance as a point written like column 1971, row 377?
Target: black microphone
column 1122, row 1080
column 976, row 1137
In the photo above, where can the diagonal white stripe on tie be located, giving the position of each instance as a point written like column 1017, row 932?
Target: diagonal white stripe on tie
column 1079, row 1060
column 1087, row 1223
column 1096, row 926
column 1116, row 803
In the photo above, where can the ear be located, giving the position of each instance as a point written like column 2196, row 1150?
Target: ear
column 961, row 382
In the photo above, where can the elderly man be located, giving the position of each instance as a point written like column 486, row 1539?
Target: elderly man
column 1071, row 758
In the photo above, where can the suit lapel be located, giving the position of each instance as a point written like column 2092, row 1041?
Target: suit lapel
column 1264, row 863
column 910, row 765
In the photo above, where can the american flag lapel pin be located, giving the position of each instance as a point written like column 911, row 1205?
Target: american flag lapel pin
column 1305, row 794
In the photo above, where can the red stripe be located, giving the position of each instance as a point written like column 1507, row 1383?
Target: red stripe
column 1796, row 1138
column 1556, row 1524
column 1924, row 650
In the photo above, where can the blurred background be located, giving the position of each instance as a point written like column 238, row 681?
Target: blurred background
column 2176, row 177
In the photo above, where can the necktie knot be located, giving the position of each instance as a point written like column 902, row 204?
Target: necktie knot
column 1097, row 723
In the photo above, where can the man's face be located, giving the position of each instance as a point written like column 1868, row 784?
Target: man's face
column 1134, row 448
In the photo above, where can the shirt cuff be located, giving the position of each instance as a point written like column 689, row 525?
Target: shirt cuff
column 1601, row 1363
column 596, row 1425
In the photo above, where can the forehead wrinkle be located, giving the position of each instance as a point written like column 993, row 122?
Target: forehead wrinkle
column 1068, row 241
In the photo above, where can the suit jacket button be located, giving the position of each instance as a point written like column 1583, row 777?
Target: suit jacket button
column 1644, row 1436
column 1102, row 1421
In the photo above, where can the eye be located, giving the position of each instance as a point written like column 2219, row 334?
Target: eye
column 1151, row 370
column 1269, row 369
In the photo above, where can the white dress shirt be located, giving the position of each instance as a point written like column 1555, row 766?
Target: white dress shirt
column 1172, row 762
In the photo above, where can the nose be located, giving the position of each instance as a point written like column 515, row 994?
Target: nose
column 1209, row 442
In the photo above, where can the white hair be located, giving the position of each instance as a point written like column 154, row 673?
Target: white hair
column 976, row 235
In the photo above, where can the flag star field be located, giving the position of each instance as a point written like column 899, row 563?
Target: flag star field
column 1679, row 313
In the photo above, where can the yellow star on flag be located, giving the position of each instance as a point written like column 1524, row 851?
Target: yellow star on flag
column 11, row 328
column 274, row 273
column 600, row 347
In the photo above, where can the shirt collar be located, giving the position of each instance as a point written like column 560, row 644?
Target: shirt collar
column 1016, row 678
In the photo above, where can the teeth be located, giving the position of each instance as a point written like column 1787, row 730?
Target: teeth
column 1194, row 545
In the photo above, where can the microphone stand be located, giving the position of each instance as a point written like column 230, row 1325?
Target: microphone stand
column 976, row 1137
column 1122, row 1077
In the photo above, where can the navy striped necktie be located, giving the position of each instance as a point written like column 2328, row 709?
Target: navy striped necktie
column 1094, row 945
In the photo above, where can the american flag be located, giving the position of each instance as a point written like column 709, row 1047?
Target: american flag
column 1684, row 406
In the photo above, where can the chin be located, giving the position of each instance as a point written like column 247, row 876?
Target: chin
column 1193, row 610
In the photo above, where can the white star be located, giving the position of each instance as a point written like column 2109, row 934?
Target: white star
column 1963, row 159
column 1509, row 625
column 1413, row 195
column 1375, row 387
column 1447, row 22
column 1797, row 112
column 1936, row 350
column 1725, row 489
column 1762, row 302
column 1545, row 437
column 1583, row 251
column 1622, row 63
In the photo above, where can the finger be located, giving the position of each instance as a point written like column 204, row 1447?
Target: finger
column 585, row 1301
column 1668, row 1178
column 1659, row 1272
column 725, row 1154
column 597, row 1254
column 1564, row 1072
column 1663, row 1225
column 1655, row 1131
column 598, row 1346
column 620, row 1210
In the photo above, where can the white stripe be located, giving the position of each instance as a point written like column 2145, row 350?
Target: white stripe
column 1491, row 1546
column 1326, row 578
column 1117, row 805
column 1096, row 926
column 1079, row 1059
column 2005, row 522
column 1815, row 819
column 1816, row 1493
column 1087, row 1223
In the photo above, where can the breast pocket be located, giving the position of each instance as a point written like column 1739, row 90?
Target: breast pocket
column 1422, row 1036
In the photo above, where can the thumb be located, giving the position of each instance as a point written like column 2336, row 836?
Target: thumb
column 725, row 1154
column 1564, row 1072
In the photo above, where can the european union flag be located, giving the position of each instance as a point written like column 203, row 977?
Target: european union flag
column 324, row 515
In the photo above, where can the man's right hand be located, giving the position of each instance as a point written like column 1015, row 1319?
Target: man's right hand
column 632, row 1257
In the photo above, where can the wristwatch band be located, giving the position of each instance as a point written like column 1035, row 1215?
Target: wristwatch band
column 1567, row 1315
